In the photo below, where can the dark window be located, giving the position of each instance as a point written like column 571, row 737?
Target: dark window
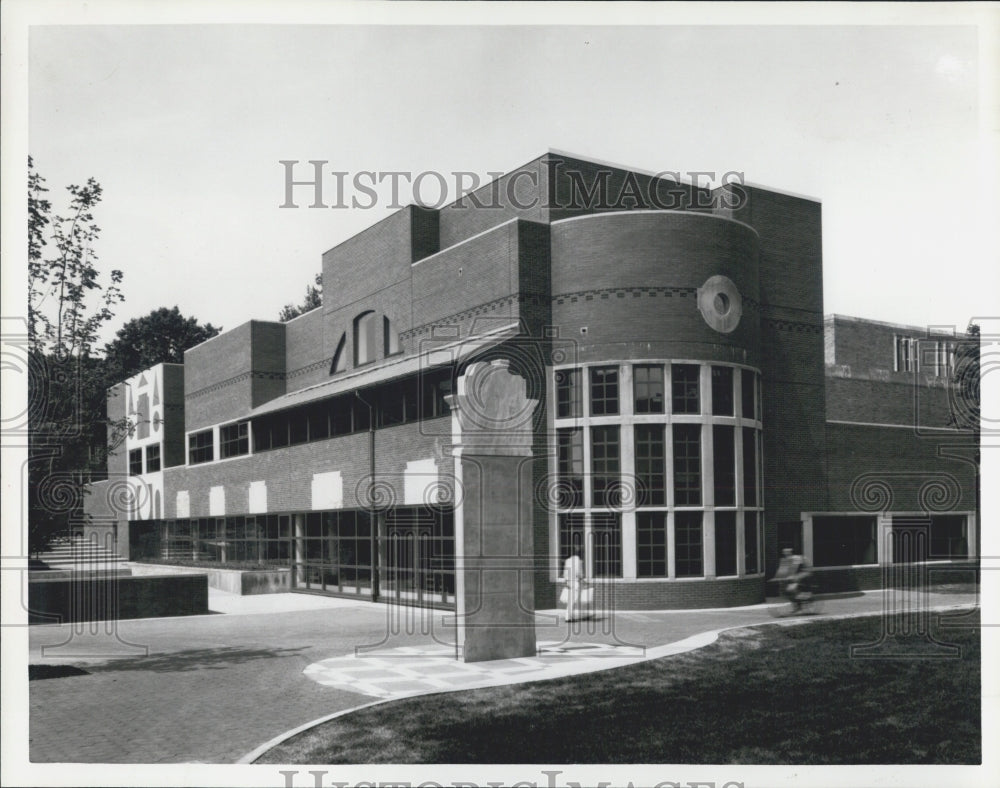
column 571, row 535
column 606, row 465
column 339, row 363
column 687, row 543
column 153, row 458
column 364, row 338
column 390, row 338
column 607, row 531
column 749, row 466
column 318, row 416
column 298, row 426
column 724, row 464
column 342, row 414
column 279, row 430
column 748, row 387
column 569, row 394
column 751, row 544
column 570, row 490
column 435, row 386
column 650, row 465
column 398, row 402
column 687, row 464
column 200, row 447
column 135, row 462
column 603, row 391
column 948, row 536
column 725, row 543
column 684, row 388
column 843, row 541
column 651, row 544
column 722, row 391
column 648, row 384
column 234, row 439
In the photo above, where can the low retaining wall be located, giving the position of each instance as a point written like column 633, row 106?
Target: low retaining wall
column 62, row 600
column 245, row 582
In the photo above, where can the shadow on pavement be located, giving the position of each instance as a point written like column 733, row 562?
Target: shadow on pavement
column 196, row 659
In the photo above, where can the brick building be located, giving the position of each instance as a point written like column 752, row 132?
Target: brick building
column 697, row 410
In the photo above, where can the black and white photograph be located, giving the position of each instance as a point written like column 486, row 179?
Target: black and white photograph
column 500, row 394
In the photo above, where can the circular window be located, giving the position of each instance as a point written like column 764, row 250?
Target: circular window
column 720, row 303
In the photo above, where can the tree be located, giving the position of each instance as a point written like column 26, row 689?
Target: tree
column 313, row 299
column 67, row 306
column 965, row 380
column 162, row 336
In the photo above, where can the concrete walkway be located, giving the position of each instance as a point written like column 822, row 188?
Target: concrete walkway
column 209, row 689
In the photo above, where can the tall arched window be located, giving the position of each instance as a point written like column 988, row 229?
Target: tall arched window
column 364, row 338
column 390, row 337
column 339, row 363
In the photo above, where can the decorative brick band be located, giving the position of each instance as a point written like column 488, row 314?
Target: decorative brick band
column 605, row 293
column 256, row 375
column 489, row 306
column 795, row 326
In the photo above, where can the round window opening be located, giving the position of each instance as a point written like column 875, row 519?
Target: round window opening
column 721, row 304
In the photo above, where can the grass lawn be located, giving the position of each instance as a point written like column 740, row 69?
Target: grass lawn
column 766, row 695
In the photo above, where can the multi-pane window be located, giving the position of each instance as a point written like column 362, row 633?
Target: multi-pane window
column 200, row 447
column 725, row 543
column 570, row 442
column 135, row 462
column 234, row 439
column 153, row 458
column 748, row 387
column 751, row 544
column 603, row 391
column 651, row 544
column 607, row 536
column 571, row 535
column 684, row 388
column 749, row 466
column 722, row 391
column 569, row 394
column 648, row 385
column 687, row 464
column 650, row 464
column 605, row 458
column 905, row 354
column 724, row 464
column 687, row 544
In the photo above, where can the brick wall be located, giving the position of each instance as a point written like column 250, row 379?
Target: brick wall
column 898, row 459
column 631, row 281
column 289, row 472
column 791, row 294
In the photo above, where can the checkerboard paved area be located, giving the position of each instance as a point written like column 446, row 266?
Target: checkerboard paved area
column 405, row 671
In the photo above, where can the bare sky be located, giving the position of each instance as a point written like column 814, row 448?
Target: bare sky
column 184, row 127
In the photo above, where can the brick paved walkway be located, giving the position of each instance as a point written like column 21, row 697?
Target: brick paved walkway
column 208, row 689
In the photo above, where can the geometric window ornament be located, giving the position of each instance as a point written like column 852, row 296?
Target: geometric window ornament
column 720, row 303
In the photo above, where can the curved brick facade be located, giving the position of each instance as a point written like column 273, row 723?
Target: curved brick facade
column 630, row 280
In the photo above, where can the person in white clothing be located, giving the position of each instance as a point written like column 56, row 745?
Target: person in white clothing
column 573, row 576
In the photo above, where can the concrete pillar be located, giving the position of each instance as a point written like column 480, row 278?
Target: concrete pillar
column 494, row 542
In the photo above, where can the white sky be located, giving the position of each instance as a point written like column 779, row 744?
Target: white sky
column 184, row 127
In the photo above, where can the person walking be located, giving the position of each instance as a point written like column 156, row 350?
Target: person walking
column 573, row 576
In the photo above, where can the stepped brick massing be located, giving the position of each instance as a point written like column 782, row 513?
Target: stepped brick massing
column 696, row 411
